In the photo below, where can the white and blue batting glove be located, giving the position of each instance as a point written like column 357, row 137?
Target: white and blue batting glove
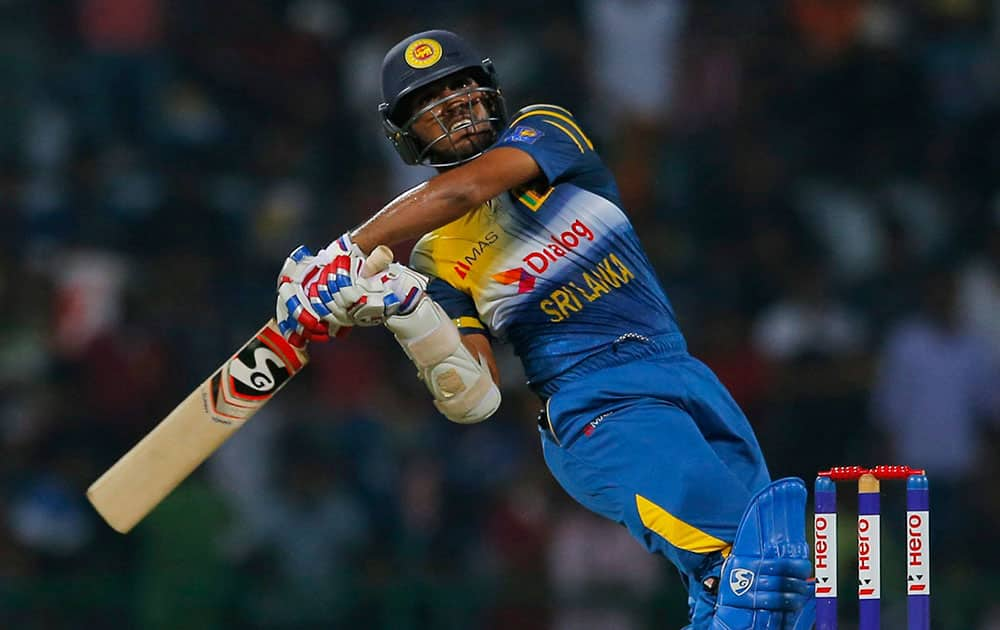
column 345, row 295
column 406, row 288
column 342, row 293
column 297, row 317
column 324, row 295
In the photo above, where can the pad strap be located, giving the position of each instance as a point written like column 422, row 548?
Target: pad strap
column 434, row 347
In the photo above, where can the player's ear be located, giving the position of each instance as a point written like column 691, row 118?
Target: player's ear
column 404, row 143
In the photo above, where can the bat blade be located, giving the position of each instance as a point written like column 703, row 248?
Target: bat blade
column 146, row 474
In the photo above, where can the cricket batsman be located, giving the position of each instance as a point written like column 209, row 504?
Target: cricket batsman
column 523, row 239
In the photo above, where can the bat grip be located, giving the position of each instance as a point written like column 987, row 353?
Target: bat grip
column 377, row 261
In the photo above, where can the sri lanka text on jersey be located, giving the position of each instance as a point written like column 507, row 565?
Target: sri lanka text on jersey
column 608, row 275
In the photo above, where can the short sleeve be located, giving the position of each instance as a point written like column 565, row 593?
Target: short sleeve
column 459, row 306
column 551, row 135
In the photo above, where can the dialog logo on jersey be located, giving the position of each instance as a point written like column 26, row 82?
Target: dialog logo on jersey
column 423, row 53
column 558, row 246
column 740, row 581
column 539, row 260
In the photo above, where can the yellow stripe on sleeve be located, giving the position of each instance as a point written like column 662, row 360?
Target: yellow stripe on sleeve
column 677, row 532
column 562, row 117
column 468, row 322
column 566, row 131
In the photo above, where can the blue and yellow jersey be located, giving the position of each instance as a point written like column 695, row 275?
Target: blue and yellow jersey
column 555, row 269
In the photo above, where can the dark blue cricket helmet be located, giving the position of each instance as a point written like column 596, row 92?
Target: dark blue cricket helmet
column 420, row 60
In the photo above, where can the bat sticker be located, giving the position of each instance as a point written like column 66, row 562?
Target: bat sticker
column 257, row 370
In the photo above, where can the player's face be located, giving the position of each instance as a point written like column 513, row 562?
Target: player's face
column 453, row 117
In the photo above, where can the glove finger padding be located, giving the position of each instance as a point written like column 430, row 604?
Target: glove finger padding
column 367, row 300
column 348, row 295
column 324, row 295
column 298, row 314
column 356, row 287
column 295, row 316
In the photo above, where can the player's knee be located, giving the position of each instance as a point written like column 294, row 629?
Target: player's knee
column 780, row 573
column 776, row 584
column 780, row 593
column 769, row 565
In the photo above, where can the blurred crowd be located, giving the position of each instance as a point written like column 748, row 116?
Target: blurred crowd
column 815, row 181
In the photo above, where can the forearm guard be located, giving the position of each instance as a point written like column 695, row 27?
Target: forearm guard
column 462, row 386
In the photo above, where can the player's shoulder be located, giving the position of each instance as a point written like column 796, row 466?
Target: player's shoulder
column 540, row 112
column 542, row 109
column 534, row 121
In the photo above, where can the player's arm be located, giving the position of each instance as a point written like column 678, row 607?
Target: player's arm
column 319, row 296
column 544, row 142
column 447, row 197
column 479, row 345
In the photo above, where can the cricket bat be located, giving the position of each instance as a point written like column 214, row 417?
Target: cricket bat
column 145, row 475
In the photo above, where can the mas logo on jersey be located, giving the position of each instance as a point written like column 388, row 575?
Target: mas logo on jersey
column 464, row 265
column 423, row 53
column 525, row 134
column 539, row 260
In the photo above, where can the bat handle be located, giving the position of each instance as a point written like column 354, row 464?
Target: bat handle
column 377, row 261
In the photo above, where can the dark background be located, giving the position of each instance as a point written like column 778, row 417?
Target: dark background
column 815, row 181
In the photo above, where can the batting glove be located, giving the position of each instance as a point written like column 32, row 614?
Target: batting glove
column 352, row 299
column 298, row 318
column 343, row 295
column 406, row 287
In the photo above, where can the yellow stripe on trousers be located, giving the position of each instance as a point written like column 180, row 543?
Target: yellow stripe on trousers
column 677, row 532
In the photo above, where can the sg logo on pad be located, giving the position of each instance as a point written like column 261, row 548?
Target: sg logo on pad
column 740, row 581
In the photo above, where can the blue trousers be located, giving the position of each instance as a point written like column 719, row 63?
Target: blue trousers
column 658, row 445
